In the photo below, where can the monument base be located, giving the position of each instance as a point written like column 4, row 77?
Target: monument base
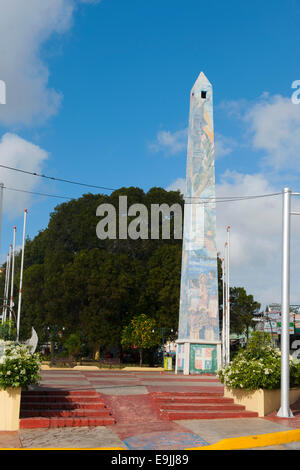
column 195, row 356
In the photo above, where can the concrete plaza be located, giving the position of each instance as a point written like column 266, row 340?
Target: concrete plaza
column 139, row 427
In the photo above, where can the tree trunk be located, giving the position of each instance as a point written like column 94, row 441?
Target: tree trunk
column 96, row 351
column 141, row 357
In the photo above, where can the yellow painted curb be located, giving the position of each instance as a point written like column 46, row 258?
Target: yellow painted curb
column 248, row 442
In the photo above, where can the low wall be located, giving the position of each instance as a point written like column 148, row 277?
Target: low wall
column 10, row 409
column 262, row 401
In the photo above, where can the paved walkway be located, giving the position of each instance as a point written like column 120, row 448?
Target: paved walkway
column 138, row 424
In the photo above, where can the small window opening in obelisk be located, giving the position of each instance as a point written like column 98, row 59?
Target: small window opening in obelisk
column 203, row 94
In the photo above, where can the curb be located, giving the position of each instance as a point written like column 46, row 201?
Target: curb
column 249, row 442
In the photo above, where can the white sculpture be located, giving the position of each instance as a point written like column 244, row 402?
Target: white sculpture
column 33, row 341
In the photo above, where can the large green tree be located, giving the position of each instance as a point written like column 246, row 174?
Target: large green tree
column 82, row 285
column 92, row 287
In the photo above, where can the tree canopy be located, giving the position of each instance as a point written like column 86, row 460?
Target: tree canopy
column 93, row 288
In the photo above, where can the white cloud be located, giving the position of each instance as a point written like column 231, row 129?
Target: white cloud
column 173, row 143
column 275, row 125
column 19, row 153
column 170, row 143
column 177, row 185
column 256, row 230
column 24, row 27
column 224, row 145
column 255, row 235
column 272, row 126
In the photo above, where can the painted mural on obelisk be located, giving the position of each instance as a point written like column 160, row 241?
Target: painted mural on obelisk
column 198, row 317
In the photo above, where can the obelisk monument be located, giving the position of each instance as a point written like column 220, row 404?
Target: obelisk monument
column 198, row 344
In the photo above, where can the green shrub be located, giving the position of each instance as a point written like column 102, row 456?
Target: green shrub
column 258, row 366
column 295, row 374
column 18, row 367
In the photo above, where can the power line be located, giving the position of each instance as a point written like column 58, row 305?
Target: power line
column 56, row 179
column 232, row 198
column 205, row 202
column 37, row 194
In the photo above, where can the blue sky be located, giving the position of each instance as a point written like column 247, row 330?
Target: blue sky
column 99, row 92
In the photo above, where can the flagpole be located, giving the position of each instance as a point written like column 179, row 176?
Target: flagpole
column 21, row 276
column 223, row 316
column 7, row 285
column 11, row 303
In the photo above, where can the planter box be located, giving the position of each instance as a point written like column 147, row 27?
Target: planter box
column 10, row 409
column 262, row 401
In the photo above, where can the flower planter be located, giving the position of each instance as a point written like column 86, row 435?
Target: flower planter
column 10, row 409
column 262, row 401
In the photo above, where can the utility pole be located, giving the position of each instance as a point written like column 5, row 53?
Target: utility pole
column 11, row 304
column 7, row 284
column 1, row 209
column 228, row 297
column 21, row 277
column 223, row 316
column 5, row 287
column 285, row 411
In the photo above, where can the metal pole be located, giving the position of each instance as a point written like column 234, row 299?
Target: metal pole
column 285, row 411
column 7, row 285
column 1, row 209
column 228, row 295
column 223, row 315
column 226, row 306
column 21, row 276
column 11, row 304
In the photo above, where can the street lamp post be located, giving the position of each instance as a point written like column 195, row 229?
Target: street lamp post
column 285, row 411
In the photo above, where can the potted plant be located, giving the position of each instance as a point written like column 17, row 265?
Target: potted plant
column 18, row 369
column 253, row 377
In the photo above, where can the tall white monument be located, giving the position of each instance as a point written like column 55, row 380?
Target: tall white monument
column 198, row 344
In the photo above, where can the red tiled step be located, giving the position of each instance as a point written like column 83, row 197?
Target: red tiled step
column 206, row 414
column 33, row 423
column 90, row 393
column 60, row 408
column 204, row 399
column 44, row 405
column 60, row 398
column 64, row 413
column 200, row 407
column 187, row 394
